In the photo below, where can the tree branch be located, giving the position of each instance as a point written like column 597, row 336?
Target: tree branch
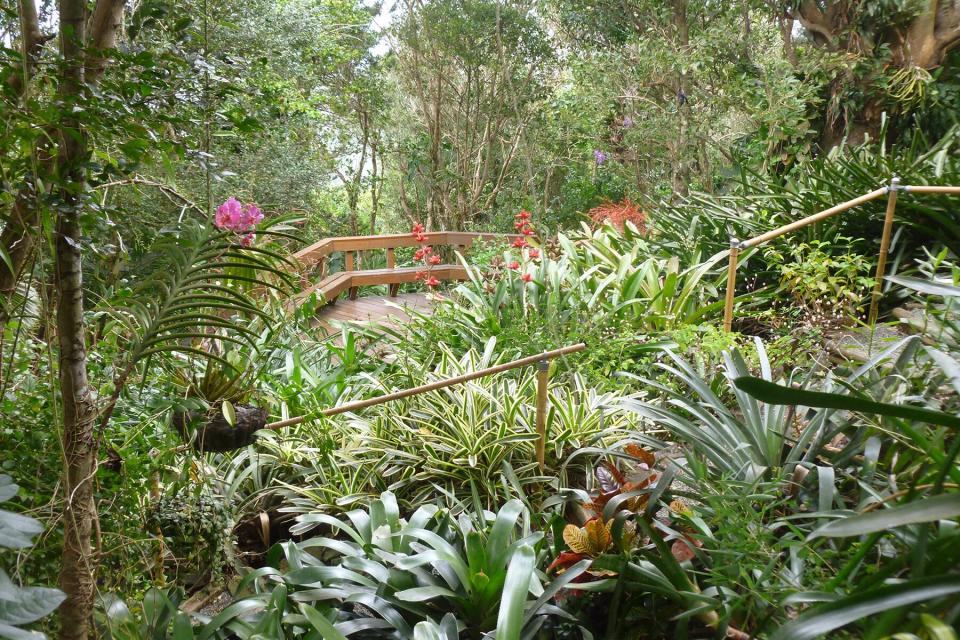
column 167, row 190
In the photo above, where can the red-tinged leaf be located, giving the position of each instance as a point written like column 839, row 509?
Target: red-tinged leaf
column 643, row 455
column 682, row 548
column 564, row 560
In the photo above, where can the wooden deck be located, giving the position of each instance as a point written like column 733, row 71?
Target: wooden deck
column 372, row 309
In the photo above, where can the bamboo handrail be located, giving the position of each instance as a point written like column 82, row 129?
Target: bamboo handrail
column 737, row 246
column 542, row 361
column 924, row 188
column 799, row 224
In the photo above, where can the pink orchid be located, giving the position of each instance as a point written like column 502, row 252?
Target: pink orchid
column 229, row 214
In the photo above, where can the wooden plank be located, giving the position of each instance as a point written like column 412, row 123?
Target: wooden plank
column 391, row 258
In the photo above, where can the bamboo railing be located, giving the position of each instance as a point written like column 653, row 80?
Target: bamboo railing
column 738, row 246
column 542, row 361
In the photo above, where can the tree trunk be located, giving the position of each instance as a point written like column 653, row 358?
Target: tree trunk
column 79, row 406
column 18, row 234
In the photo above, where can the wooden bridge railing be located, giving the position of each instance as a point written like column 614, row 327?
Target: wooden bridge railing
column 330, row 286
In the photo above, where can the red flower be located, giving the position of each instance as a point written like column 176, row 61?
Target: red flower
column 523, row 215
column 418, row 254
column 528, row 231
column 427, row 251
column 420, row 275
column 519, row 224
column 526, row 277
column 534, row 253
column 434, row 259
column 421, row 238
column 514, row 265
column 417, row 229
column 520, row 243
column 432, row 282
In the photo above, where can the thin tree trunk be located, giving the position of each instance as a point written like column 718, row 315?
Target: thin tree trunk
column 18, row 237
column 79, row 407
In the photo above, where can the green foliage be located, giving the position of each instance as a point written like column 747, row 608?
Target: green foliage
column 20, row 605
column 829, row 286
column 422, row 569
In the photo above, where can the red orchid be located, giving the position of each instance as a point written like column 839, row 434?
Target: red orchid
column 528, row 231
column 526, row 277
column 534, row 253
column 520, row 243
column 523, row 215
column 432, row 281
column 417, row 229
column 420, row 275
column 514, row 265
column 434, row 259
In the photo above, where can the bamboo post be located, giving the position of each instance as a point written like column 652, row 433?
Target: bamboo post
column 884, row 248
column 731, row 284
column 543, row 377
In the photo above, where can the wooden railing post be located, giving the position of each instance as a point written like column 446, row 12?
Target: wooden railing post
column 543, row 377
column 884, row 248
column 391, row 259
column 348, row 260
column 731, row 284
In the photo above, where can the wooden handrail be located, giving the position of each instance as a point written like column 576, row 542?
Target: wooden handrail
column 325, row 247
column 736, row 246
column 330, row 286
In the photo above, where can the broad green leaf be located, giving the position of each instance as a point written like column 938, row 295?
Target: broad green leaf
column 778, row 394
column 823, row 619
column 920, row 510
column 321, row 624
column 229, row 413
column 23, row 605
column 515, row 589
column 17, row 531
column 928, row 287
column 419, row 594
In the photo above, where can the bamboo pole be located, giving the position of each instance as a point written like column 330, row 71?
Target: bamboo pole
column 440, row 384
column 799, row 224
column 731, row 284
column 931, row 189
column 543, row 377
column 884, row 248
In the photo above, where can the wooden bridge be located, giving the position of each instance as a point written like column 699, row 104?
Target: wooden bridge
column 358, row 250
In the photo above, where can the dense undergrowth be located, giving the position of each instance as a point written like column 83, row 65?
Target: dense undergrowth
column 679, row 497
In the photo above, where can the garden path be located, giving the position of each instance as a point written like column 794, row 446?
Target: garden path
column 370, row 309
